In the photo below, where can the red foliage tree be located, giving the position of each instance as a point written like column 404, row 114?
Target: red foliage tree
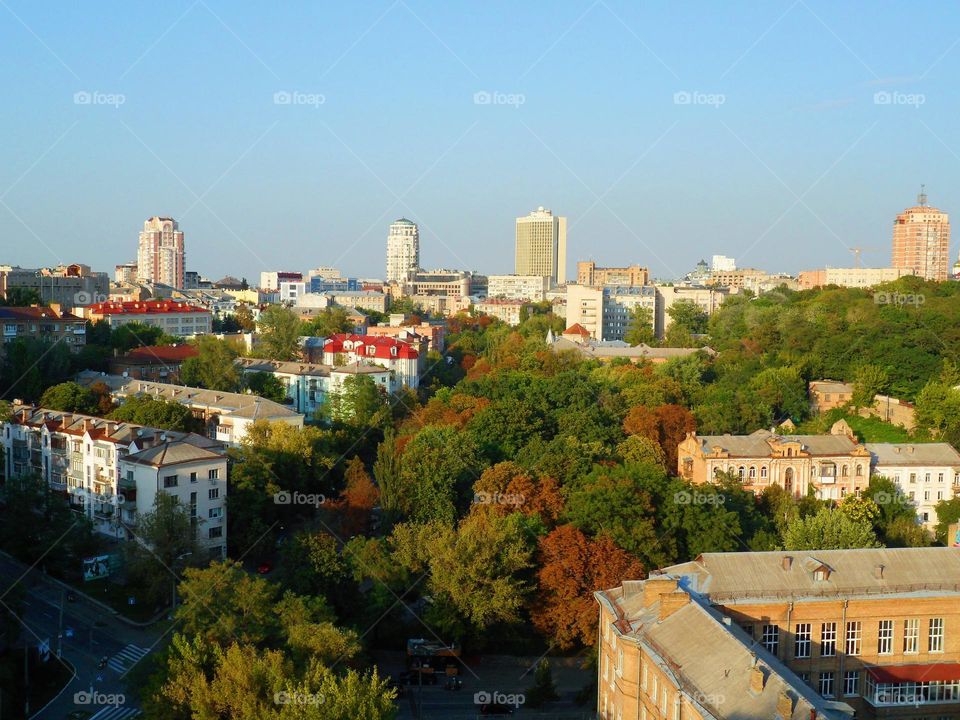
column 572, row 567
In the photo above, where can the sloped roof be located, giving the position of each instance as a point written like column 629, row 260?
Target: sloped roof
column 172, row 453
column 712, row 661
column 732, row 576
column 893, row 454
column 286, row 367
column 756, row 444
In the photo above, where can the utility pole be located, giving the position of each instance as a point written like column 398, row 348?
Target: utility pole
column 60, row 628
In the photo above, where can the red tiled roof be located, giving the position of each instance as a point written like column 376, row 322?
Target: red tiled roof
column 145, row 307
column 577, row 329
column 164, row 353
column 36, row 313
column 383, row 346
column 930, row 672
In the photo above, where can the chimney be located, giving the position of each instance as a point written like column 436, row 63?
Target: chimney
column 910, row 449
column 785, row 705
column 786, row 562
column 757, row 680
column 654, row 587
column 671, row 602
column 878, row 572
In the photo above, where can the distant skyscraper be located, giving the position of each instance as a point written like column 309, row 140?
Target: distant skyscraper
column 403, row 250
column 161, row 257
column 542, row 245
column 921, row 240
column 722, row 263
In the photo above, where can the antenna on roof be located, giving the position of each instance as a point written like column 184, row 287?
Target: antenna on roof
column 922, row 197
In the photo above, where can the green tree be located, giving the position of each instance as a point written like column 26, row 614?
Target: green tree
column 640, row 330
column 868, row 381
column 438, row 468
column 215, row 367
column 244, row 317
column 329, row 321
column 20, row 297
column 156, row 413
column 386, row 471
column 70, row 397
column 948, row 513
column 543, row 689
column 265, row 385
column 688, row 315
column 829, row 530
column 279, row 329
column 359, row 402
column 164, row 538
column 311, row 564
column 138, row 334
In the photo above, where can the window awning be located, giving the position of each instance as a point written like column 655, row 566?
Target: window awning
column 930, row 672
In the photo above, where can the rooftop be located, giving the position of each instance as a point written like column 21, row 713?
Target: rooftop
column 914, row 454
column 145, row 307
column 761, row 442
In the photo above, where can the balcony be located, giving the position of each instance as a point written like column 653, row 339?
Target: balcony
column 921, row 684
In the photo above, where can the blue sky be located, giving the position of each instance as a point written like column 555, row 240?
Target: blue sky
column 784, row 157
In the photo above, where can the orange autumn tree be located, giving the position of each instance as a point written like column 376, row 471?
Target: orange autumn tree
column 572, row 567
column 506, row 487
column 667, row 425
column 358, row 498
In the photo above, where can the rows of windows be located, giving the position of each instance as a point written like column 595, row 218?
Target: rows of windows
column 853, row 638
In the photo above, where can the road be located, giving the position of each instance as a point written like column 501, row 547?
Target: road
column 90, row 633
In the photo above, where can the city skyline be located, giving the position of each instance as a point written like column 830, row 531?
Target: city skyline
column 738, row 149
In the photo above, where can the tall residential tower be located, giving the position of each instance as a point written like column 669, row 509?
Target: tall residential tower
column 161, row 257
column 403, row 250
column 921, row 240
column 542, row 245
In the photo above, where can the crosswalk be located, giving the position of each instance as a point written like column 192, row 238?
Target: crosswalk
column 116, row 713
column 126, row 659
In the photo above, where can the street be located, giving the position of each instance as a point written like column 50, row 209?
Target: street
column 89, row 634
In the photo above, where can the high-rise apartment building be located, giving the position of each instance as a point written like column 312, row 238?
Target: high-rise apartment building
column 161, row 257
column 542, row 245
column 403, row 250
column 921, row 241
column 722, row 263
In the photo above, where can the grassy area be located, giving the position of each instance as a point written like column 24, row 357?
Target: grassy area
column 867, row 429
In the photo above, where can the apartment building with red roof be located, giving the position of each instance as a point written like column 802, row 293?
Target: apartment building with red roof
column 173, row 317
column 404, row 359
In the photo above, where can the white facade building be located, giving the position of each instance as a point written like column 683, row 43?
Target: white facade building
column 112, row 471
column 403, row 250
column 722, row 263
column 291, row 292
column 518, row 287
column 926, row 473
column 606, row 312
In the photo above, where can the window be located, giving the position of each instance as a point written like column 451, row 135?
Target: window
column 676, row 708
column 801, row 645
column 193, row 477
column 911, row 636
column 170, row 481
column 753, row 472
column 620, row 662
column 851, row 682
column 805, row 677
column 663, row 701
column 940, row 478
column 859, row 470
column 826, row 684
column 643, row 676
column 213, row 493
column 913, row 477
column 606, row 667
column 763, row 471
column 854, row 632
column 828, row 639
column 935, row 636
column 213, row 474
column 215, row 532
column 217, row 512
column 771, row 638
column 885, row 637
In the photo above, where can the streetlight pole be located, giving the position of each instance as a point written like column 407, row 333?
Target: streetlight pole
column 173, row 601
